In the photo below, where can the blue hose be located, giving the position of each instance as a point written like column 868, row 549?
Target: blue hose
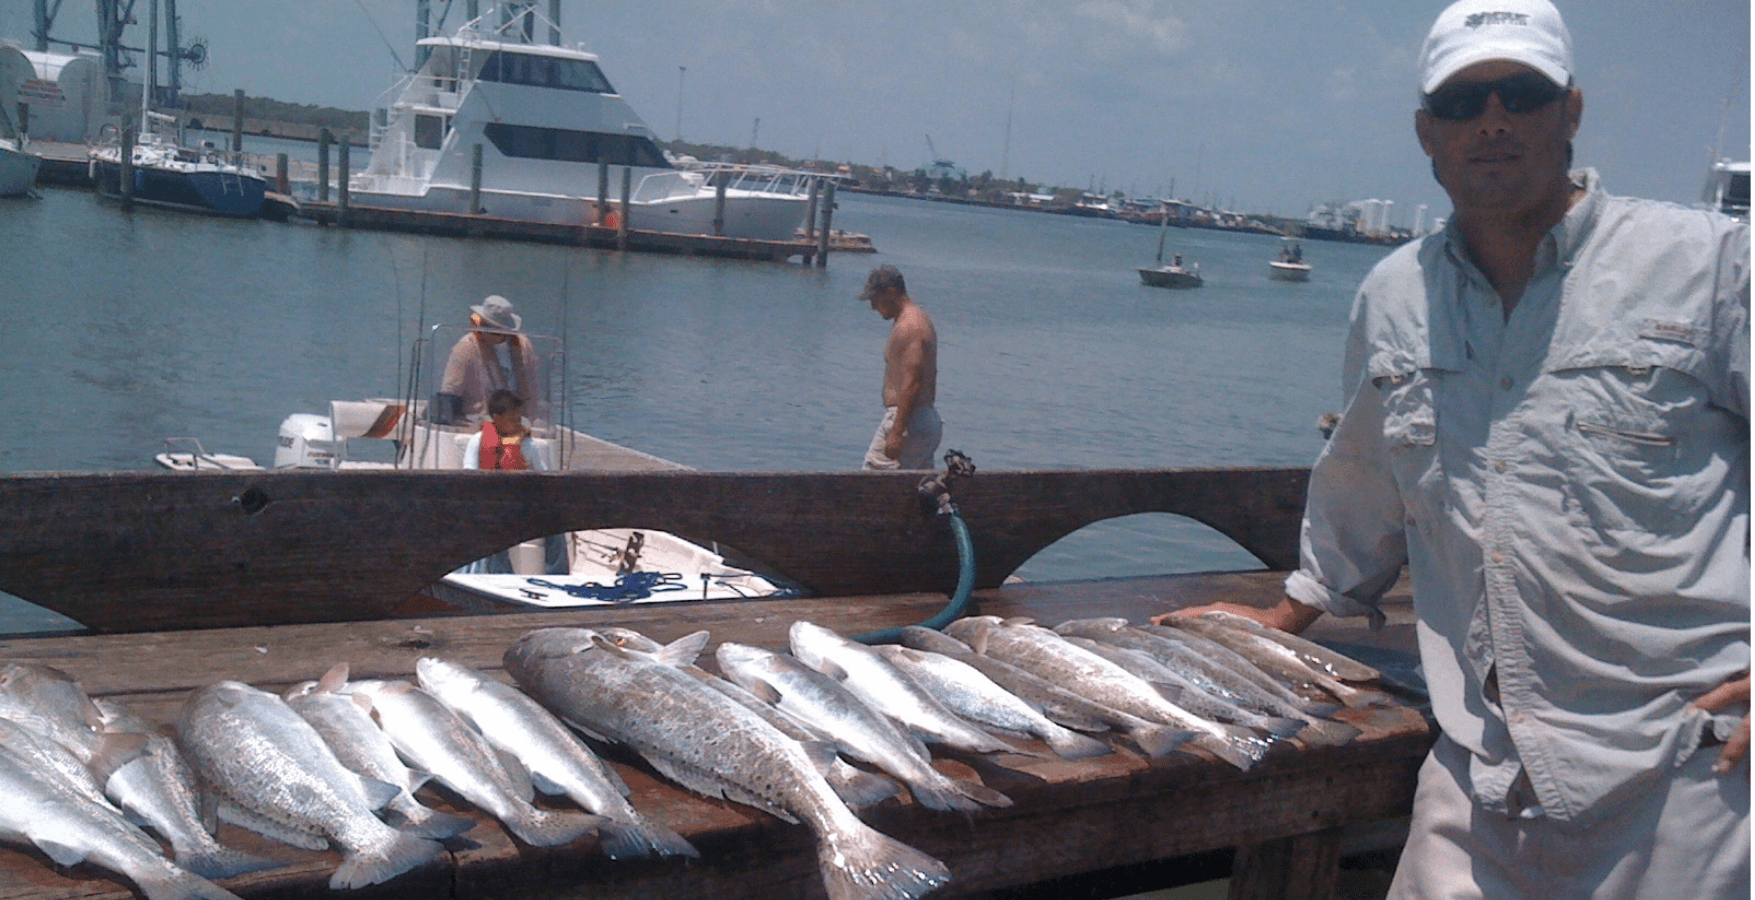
column 959, row 600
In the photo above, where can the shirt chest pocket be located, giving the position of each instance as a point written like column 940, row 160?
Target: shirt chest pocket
column 1628, row 406
column 1410, row 434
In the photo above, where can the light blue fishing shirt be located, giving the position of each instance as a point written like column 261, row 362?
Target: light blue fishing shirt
column 1569, row 487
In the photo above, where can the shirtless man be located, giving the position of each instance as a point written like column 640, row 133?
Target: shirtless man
column 910, row 430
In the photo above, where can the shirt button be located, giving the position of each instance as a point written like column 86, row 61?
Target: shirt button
column 1505, row 382
column 1496, row 557
column 1517, row 718
column 1500, row 466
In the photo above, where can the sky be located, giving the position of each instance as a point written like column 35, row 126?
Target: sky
column 1267, row 106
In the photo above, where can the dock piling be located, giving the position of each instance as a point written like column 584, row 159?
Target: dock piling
column 810, row 215
column 621, row 225
column 719, row 209
column 475, row 181
column 602, row 190
column 341, row 183
column 125, row 171
column 238, row 120
column 282, row 183
column 828, row 215
column 323, row 139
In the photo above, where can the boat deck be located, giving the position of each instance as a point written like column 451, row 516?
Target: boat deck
column 1289, row 818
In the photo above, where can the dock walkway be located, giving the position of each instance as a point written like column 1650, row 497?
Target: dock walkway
column 1289, row 818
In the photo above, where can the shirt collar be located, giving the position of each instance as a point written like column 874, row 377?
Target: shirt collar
column 1564, row 239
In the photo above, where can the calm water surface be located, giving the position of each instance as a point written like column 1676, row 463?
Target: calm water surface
column 126, row 328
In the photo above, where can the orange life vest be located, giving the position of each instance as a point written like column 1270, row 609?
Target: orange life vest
column 496, row 454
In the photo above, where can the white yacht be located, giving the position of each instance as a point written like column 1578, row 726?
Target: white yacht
column 1727, row 189
column 544, row 118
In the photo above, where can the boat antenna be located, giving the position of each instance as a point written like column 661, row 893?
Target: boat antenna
column 1163, row 229
column 387, row 45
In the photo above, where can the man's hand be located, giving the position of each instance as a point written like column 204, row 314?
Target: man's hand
column 1731, row 692
column 893, row 443
column 1290, row 616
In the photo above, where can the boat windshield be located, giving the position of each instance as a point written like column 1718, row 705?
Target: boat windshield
column 567, row 145
column 545, row 71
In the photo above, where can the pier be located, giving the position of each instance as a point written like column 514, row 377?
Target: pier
column 271, row 577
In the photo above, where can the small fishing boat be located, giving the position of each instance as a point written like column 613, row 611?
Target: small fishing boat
column 1174, row 275
column 1290, row 264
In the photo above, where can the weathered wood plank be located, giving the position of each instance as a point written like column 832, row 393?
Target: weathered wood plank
column 160, row 551
column 1068, row 817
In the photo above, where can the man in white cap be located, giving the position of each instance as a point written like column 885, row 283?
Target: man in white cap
column 492, row 356
column 1547, row 422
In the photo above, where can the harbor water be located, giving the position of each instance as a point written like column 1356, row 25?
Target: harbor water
column 125, row 328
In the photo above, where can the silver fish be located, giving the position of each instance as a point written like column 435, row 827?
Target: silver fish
column 1240, row 666
column 884, row 688
column 856, row 786
column 248, row 745
column 345, row 722
column 711, row 744
column 1060, row 705
column 160, row 789
column 53, row 803
column 1050, row 656
column 428, row 734
column 976, row 697
column 51, row 703
column 1313, row 654
column 856, row 729
column 1275, row 658
column 1202, row 666
column 558, row 762
column 1186, row 693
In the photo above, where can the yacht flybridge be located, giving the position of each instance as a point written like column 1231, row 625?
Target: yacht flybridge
column 545, row 118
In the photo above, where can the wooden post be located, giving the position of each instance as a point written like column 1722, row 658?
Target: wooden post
column 1302, row 867
column 475, row 181
column 719, row 209
column 281, row 181
column 341, row 182
column 621, row 226
column 125, row 171
column 810, row 216
column 238, row 120
column 828, row 217
column 323, row 139
column 602, row 190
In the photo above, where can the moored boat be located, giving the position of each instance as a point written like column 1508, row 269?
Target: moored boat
column 166, row 173
column 1290, row 264
column 1174, row 275
column 18, row 168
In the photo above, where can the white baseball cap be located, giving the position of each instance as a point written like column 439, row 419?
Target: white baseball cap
column 1475, row 31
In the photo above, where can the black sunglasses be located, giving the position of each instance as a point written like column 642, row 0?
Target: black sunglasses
column 1465, row 100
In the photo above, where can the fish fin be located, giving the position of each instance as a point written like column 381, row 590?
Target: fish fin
column 262, row 825
column 519, row 775
column 62, row 854
column 1018, row 621
column 424, row 821
column 1069, row 744
column 546, row 785
column 869, row 865
column 224, row 862
column 417, row 779
column 587, row 731
column 953, row 795
column 1327, row 733
column 334, row 680
column 821, row 754
column 379, row 793
column 833, row 669
column 1320, row 709
column 1170, row 692
column 859, row 788
column 1159, row 740
column 600, row 642
column 175, row 883
column 381, row 864
column 1239, row 751
column 113, row 750
column 684, row 650
column 363, row 701
column 622, row 840
column 765, row 692
column 1280, row 728
column 1070, row 718
column 541, row 828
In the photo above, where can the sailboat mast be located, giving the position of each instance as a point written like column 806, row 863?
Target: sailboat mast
column 151, row 82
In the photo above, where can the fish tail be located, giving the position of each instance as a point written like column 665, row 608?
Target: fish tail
column 1158, row 740
column 869, row 865
column 1238, row 750
column 172, row 882
column 944, row 793
column 622, row 840
column 540, row 828
column 380, row 864
column 424, row 821
column 859, row 788
column 223, row 862
column 1280, row 729
column 1327, row 733
column 1069, row 744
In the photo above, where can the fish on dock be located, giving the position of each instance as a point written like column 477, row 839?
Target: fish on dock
column 1276, row 658
column 856, row 729
column 429, row 735
column 251, row 748
column 1311, row 653
column 345, row 722
column 558, row 762
column 711, row 744
column 976, row 697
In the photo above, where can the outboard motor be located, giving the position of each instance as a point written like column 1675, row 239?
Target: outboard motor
column 306, row 441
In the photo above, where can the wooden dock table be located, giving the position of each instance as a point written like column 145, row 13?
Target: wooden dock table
column 1069, row 817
